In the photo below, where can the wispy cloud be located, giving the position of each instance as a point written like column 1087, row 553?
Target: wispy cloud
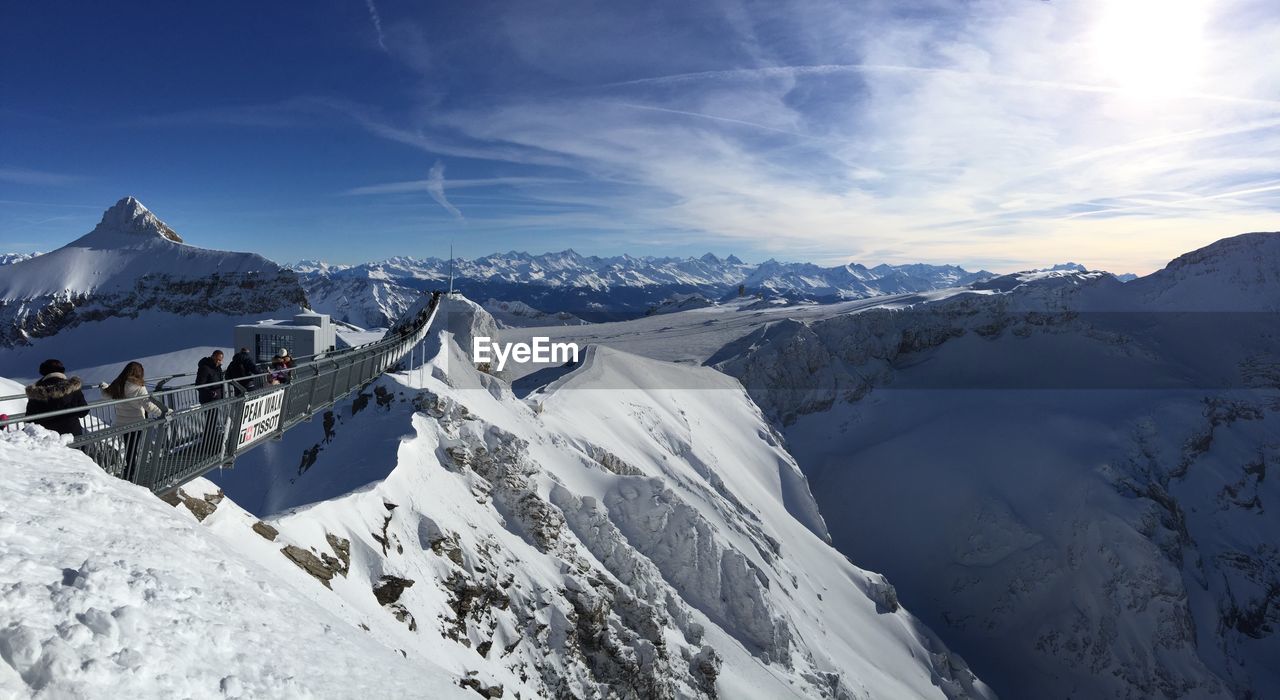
column 435, row 186
column 713, row 117
column 1010, row 81
column 56, row 205
column 428, row 184
column 291, row 112
column 27, row 176
column 376, row 19
column 979, row 132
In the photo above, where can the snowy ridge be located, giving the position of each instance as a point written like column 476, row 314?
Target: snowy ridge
column 129, row 263
column 585, row 543
column 514, row 314
column 1233, row 274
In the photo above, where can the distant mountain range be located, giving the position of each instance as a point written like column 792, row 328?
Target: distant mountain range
column 560, row 287
column 11, row 258
column 596, row 288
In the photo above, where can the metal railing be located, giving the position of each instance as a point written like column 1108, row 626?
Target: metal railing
column 191, row 438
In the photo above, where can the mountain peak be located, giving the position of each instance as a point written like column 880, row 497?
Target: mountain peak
column 129, row 216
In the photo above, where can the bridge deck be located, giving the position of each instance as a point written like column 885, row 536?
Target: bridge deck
column 192, row 439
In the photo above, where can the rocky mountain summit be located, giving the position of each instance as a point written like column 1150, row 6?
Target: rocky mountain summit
column 130, row 263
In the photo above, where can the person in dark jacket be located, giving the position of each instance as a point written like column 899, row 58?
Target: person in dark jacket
column 210, row 379
column 209, row 372
column 55, row 392
column 241, row 368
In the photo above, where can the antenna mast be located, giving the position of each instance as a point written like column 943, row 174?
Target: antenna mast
column 451, row 270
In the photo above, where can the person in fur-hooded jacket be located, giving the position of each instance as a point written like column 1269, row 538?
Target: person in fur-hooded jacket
column 56, row 392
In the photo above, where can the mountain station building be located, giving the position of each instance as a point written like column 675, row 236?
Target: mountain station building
column 310, row 333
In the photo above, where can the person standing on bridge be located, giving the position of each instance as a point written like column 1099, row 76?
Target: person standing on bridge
column 131, row 384
column 55, row 392
column 242, row 368
column 210, row 381
column 280, row 373
column 210, row 378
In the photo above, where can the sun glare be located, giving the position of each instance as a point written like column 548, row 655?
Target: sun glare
column 1151, row 47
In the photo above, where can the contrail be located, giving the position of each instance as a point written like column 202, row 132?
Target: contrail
column 712, row 117
column 994, row 78
column 377, row 23
column 435, row 185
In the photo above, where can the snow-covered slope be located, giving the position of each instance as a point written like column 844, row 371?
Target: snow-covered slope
column 1064, row 477
column 132, row 262
column 363, row 301
column 109, row 592
column 681, row 302
column 1241, row 273
column 600, row 539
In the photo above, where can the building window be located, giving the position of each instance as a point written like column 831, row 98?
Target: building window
column 268, row 345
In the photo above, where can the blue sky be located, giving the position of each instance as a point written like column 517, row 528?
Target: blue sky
column 996, row 134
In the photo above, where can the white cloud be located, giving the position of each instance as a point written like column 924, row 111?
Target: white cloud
column 27, row 176
column 426, row 185
column 998, row 130
column 435, row 186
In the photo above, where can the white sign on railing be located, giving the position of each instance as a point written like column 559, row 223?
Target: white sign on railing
column 261, row 418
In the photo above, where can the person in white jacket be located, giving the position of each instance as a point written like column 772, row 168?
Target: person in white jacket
column 131, row 385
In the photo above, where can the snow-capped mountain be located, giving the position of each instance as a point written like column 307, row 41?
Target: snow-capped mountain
column 1065, row 476
column 130, row 268
column 315, row 266
column 1077, row 267
column 853, row 281
column 605, row 288
column 580, row 543
column 11, row 258
column 368, row 302
column 514, row 314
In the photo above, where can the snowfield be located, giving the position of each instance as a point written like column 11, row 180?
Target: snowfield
column 106, row 591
